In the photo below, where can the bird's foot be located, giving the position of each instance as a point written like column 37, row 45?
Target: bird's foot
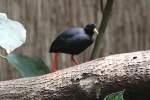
column 54, row 68
column 74, row 61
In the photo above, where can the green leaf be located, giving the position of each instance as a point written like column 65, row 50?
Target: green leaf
column 28, row 66
column 12, row 33
column 115, row 96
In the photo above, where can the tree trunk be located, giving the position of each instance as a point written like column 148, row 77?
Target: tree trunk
column 87, row 81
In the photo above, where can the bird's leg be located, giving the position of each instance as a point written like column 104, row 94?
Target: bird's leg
column 55, row 62
column 74, row 61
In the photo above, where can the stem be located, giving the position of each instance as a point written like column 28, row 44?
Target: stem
column 98, row 43
column 3, row 57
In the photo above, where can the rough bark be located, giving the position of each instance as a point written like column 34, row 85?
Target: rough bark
column 86, row 81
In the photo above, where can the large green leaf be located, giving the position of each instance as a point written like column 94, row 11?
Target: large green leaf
column 115, row 96
column 28, row 66
column 12, row 33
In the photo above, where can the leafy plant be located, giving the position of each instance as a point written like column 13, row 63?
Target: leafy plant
column 28, row 66
column 115, row 96
column 13, row 35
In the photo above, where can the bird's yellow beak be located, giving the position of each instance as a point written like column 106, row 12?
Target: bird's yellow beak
column 95, row 31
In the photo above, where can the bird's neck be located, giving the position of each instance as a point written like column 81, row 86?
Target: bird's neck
column 89, row 32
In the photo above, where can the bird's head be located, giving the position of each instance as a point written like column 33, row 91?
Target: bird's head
column 91, row 29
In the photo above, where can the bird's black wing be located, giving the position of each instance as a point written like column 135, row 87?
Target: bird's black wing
column 72, row 38
column 62, row 38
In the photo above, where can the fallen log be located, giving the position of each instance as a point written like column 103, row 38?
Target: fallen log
column 87, row 81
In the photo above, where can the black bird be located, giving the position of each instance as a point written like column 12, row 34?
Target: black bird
column 73, row 41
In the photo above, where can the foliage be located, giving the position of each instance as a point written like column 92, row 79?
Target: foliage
column 115, row 96
column 28, row 66
column 12, row 33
